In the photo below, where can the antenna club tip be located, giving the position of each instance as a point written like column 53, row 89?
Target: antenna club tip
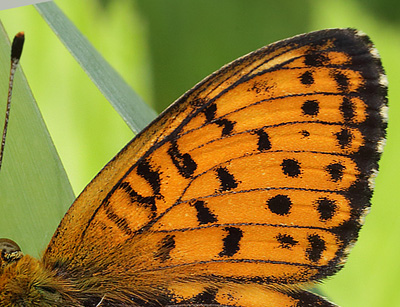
column 20, row 34
column 17, row 44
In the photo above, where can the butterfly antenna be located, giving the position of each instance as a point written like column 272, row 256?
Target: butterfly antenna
column 16, row 50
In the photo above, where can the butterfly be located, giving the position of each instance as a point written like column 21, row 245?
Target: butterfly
column 250, row 187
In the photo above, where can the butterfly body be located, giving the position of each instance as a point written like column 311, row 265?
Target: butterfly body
column 249, row 187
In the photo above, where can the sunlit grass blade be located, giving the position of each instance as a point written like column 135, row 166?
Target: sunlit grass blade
column 128, row 104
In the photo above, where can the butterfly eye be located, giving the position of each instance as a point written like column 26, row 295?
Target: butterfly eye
column 10, row 251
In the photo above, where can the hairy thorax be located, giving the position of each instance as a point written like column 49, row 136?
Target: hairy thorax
column 27, row 282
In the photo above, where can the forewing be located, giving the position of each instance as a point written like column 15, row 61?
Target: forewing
column 261, row 173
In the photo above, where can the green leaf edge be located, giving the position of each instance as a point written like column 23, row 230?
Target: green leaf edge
column 134, row 111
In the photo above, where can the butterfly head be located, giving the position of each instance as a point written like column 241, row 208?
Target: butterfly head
column 25, row 281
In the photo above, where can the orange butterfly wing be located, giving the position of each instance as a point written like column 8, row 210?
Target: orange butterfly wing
column 250, row 185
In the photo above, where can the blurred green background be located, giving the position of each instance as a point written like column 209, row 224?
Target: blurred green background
column 162, row 48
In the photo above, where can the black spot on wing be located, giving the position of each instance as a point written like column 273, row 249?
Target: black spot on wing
column 326, row 208
column 315, row 59
column 152, row 176
column 183, row 162
column 145, row 201
column 342, row 81
column 226, row 125
column 307, row 78
column 204, row 215
column 206, row 297
column 305, row 133
column 310, row 107
column 119, row 221
column 335, row 171
column 166, row 246
column 316, row 248
column 291, row 167
column 226, row 179
column 231, row 241
column 347, row 109
column 286, row 241
column 344, row 138
column 210, row 112
column 263, row 142
column 279, row 204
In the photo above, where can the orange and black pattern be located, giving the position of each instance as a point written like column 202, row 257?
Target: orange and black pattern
column 250, row 186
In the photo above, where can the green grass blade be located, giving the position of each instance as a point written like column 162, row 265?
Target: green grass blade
column 128, row 104
column 34, row 189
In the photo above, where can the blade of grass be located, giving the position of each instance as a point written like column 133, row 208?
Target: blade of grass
column 34, row 188
column 128, row 104
column 4, row 5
